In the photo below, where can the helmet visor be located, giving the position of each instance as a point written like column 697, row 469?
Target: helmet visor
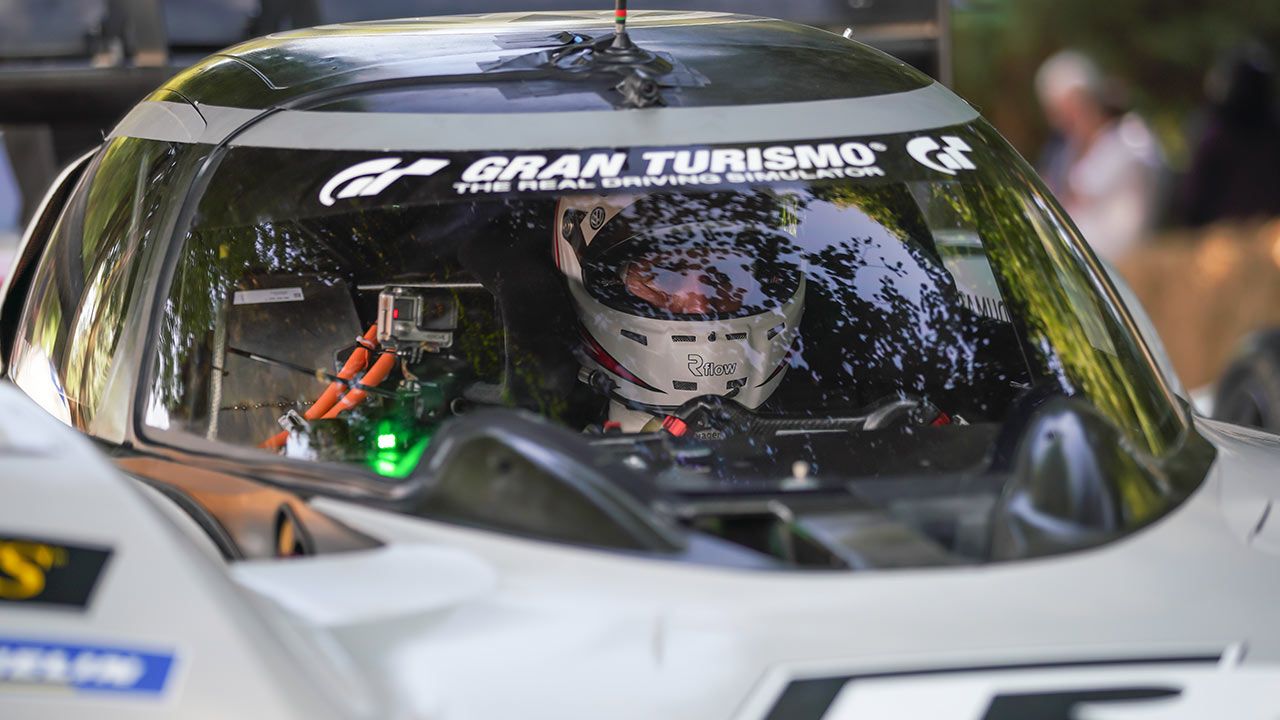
column 695, row 271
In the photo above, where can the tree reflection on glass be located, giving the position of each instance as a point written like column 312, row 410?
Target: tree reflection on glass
column 961, row 291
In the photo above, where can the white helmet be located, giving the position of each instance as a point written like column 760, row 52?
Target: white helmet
column 672, row 308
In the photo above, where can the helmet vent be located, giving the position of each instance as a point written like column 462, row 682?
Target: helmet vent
column 632, row 335
column 733, row 384
column 684, row 338
column 684, row 385
column 773, row 331
column 735, row 336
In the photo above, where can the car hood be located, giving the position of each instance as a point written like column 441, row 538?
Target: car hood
column 502, row 625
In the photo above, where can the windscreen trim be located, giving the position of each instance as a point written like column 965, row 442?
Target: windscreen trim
column 925, row 108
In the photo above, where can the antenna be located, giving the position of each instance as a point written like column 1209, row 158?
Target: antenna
column 621, row 40
column 642, row 73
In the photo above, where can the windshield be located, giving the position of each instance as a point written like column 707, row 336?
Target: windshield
column 882, row 305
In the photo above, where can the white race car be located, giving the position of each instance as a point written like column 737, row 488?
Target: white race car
column 519, row 366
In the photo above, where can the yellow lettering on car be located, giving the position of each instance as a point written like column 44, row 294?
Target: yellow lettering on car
column 23, row 566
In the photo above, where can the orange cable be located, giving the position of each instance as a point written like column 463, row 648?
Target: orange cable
column 381, row 369
column 357, row 361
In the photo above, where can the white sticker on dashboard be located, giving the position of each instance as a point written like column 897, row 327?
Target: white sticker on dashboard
column 273, row 295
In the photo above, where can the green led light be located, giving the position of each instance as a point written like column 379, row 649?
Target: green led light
column 390, row 461
column 397, row 447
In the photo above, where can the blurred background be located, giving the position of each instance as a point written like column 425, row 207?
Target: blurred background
column 1156, row 123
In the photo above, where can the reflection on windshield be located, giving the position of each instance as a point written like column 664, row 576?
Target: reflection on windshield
column 833, row 314
column 1096, row 355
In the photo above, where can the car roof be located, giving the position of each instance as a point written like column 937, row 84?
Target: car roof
column 454, row 83
column 717, row 46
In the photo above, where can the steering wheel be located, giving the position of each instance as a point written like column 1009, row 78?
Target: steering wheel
column 710, row 417
column 715, row 417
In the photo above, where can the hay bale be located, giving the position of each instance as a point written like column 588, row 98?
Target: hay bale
column 1205, row 290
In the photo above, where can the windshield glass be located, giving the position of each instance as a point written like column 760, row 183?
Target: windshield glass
column 880, row 305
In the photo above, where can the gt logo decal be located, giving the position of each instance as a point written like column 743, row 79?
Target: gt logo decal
column 702, row 368
column 371, row 177
column 37, row 571
column 945, row 158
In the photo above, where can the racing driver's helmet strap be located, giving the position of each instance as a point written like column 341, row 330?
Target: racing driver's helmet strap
column 671, row 308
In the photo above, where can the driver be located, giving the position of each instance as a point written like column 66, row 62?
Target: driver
column 679, row 297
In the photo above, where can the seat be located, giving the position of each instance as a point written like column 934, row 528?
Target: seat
column 302, row 320
column 1072, row 484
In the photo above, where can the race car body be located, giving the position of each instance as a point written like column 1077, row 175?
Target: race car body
column 445, row 622
column 523, row 366
column 109, row 609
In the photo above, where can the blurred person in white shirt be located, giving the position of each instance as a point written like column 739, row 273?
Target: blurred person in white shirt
column 1106, row 167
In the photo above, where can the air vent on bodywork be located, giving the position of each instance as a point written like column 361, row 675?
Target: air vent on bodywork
column 684, row 385
column 631, row 335
column 684, row 338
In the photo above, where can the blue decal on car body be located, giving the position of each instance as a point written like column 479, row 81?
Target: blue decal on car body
column 83, row 667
